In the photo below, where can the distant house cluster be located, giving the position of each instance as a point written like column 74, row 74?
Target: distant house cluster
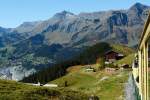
column 110, row 70
column 111, row 56
column 89, row 68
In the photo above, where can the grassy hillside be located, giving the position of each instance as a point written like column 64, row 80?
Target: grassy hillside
column 127, row 60
column 102, row 84
column 122, row 49
column 89, row 56
column 10, row 90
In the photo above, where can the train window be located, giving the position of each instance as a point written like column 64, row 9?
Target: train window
column 137, row 79
column 136, row 64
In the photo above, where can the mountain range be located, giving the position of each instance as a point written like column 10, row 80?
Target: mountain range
column 33, row 46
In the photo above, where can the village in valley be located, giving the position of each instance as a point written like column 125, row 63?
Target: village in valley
column 110, row 65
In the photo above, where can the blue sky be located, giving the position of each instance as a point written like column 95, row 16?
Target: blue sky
column 15, row 12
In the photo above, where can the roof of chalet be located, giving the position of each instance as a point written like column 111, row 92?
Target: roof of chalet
column 110, row 51
column 120, row 54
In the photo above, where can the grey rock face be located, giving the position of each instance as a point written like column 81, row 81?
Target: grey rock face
column 15, row 73
column 19, row 72
column 66, row 27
